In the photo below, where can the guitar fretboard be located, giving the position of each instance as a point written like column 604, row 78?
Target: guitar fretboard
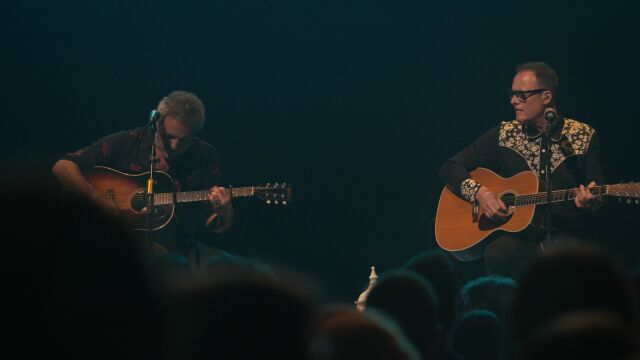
column 193, row 196
column 556, row 196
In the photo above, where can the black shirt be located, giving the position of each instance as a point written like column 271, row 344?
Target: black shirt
column 198, row 168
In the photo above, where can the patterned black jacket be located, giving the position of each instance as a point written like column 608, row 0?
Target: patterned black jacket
column 513, row 147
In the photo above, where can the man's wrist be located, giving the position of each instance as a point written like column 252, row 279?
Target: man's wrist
column 221, row 219
column 469, row 189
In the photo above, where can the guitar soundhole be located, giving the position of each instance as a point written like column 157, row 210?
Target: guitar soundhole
column 139, row 201
column 508, row 198
column 488, row 224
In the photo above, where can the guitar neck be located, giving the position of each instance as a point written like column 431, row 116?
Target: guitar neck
column 202, row 195
column 556, row 196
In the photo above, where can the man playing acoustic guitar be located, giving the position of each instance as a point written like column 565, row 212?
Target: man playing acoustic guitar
column 516, row 146
column 191, row 162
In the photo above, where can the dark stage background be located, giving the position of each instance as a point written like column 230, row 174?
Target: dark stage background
column 355, row 103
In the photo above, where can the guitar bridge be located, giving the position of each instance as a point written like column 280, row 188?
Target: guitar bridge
column 111, row 195
column 475, row 212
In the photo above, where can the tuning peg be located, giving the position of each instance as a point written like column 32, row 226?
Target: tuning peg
column 268, row 201
column 285, row 203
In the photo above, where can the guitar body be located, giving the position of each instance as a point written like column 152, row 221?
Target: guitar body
column 128, row 192
column 462, row 229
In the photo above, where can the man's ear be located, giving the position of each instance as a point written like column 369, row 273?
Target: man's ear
column 547, row 97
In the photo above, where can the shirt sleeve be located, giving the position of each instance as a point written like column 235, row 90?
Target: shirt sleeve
column 593, row 168
column 455, row 171
column 592, row 165
column 211, row 175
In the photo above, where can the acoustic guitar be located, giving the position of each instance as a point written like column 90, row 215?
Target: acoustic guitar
column 129, row 193
column 462, row 229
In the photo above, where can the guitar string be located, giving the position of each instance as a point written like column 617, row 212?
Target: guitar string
column 556, row 195
column 560, row 194
column 192, row 193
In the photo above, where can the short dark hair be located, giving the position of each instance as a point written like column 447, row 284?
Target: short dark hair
column 545, row 74
column 186, row 107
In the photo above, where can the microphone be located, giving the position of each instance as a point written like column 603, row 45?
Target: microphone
column 550, row 115
column 154, row 116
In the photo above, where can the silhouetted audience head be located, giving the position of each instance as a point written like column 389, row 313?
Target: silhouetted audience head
column 437, row 268
column 80, row 287
column 412, row 303
column 226, row 262
column 569, row 295
column 589, row 334
column 494, row 293
column 239, row 311
column 342, row 333
column 479, row 335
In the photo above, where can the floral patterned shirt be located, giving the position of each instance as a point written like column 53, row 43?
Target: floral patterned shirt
column 512, row 148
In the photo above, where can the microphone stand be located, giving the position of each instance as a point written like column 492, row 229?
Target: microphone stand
column 153, row 120
column 546, row 161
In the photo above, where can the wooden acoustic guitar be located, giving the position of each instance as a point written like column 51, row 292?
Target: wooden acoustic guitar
column 462, row 229
column 129, row 193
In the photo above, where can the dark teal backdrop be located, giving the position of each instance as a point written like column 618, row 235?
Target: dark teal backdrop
column 356, row 103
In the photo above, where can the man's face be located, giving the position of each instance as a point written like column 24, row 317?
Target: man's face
column 174, row 136
column 528, row 106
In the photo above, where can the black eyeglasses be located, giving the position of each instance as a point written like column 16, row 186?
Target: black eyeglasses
column 522, row 95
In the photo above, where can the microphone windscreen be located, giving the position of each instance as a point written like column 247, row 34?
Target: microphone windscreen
column 550, row 114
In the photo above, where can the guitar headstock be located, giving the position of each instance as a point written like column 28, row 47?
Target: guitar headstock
column 626, row 192
column 274, row 194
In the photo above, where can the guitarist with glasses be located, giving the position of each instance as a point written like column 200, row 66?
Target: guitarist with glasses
column 192, row 163
column 516, row 146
